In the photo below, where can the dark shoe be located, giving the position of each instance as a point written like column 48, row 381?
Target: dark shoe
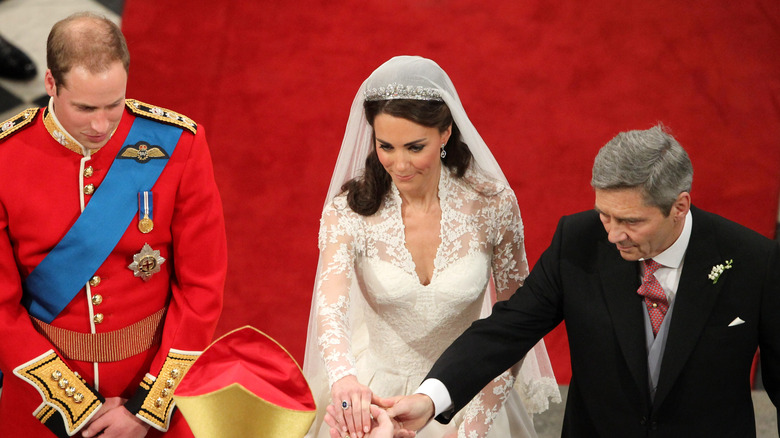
column 15, row 64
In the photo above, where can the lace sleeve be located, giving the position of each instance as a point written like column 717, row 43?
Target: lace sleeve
column 510, row 268
column 337, row 254
column 484, row 407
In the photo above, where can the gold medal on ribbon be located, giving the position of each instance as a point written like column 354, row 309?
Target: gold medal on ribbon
column 145, row 223
column 146, row 263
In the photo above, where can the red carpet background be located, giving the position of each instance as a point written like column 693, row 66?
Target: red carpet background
column 546, row 85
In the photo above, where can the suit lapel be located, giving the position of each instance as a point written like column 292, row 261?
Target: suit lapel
column 620, row 280
column 696, row 297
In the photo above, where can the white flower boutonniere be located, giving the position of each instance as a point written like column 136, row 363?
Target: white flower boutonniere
column 718, row 269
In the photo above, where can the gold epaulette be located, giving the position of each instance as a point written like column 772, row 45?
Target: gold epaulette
column 17, row 122
column 65, row 394
column 163, row 115
column 153, row 402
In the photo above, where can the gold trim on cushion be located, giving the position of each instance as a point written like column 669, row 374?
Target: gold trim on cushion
column 158, row 404
column 246, row 384
column 105, row 347
column 234, row 410
column 62, row 390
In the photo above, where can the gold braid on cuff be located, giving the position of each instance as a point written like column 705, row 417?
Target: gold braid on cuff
column 64, row 392
column 153, row 403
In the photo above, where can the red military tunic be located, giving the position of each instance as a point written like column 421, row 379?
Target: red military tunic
column 42, row 187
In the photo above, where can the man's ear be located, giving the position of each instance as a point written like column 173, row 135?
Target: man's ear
column 681, row 206
column 49, row 83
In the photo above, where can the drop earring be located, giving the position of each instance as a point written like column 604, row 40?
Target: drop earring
column 443, row 152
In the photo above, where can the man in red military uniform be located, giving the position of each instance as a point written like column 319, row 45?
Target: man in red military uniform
column 112, row 249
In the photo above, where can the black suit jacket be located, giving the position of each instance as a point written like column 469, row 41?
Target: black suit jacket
column 704, row 386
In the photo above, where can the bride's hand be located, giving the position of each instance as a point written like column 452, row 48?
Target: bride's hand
column 352, row 401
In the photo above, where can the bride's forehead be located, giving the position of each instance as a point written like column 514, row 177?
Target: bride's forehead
column 386, row 125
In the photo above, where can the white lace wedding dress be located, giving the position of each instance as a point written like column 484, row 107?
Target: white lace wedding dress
column 399, row 326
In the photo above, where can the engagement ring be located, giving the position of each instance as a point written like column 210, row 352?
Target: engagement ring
column 344, row 405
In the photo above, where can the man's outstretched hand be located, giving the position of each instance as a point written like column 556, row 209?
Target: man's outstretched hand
column 412, row 412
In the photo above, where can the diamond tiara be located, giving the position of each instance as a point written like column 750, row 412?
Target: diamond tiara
column 398, row 91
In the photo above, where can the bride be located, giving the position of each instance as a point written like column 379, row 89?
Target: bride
column 419, row 234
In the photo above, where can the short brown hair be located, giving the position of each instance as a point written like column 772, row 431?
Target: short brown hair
column 86, row 39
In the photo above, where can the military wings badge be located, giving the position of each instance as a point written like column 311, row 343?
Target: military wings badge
column 142, row 152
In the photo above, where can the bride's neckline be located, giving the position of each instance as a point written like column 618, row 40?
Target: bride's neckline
column 442, row 194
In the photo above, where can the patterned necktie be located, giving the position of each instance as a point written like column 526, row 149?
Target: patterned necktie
column 655, row 297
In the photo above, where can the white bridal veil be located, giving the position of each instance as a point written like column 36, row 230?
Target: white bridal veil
column 415, row 77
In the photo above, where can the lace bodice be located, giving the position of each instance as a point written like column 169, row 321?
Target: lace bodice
column 408, row 325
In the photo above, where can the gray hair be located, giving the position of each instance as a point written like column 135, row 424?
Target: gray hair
column 651, row 160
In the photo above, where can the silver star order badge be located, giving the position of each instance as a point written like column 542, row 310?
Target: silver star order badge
column 146, row 263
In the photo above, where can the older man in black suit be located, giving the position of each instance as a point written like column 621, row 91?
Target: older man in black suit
column 664, row 304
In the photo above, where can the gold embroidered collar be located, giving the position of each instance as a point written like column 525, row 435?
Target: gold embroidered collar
column 60, row 135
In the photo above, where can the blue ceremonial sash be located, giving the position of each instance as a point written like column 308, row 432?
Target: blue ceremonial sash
column 76, row 258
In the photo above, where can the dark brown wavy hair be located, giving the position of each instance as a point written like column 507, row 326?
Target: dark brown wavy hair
column 365, row 192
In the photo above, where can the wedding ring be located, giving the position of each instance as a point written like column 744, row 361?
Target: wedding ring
column 344, row 405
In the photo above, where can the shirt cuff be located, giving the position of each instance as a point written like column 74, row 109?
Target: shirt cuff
column 438, row 393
